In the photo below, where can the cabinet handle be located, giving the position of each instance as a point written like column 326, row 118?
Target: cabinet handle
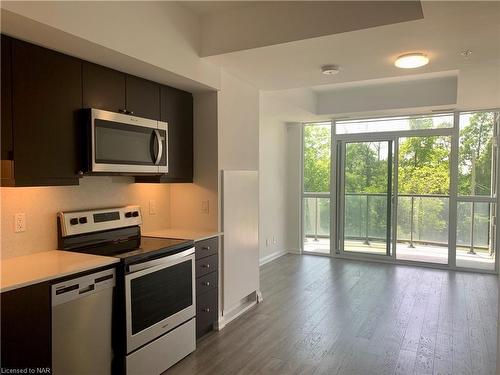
column 206, row 309
column 206, row 248
column 130, row 112
column 206, row 265
column 122, row 110
column 206, row 283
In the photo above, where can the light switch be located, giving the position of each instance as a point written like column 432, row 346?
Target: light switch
column 205, row 207
column 152, row 207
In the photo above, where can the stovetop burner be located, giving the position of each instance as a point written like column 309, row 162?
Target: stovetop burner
column 113, row 232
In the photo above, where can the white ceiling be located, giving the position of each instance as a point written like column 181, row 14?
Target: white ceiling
column 447, row 29
column 211, row 7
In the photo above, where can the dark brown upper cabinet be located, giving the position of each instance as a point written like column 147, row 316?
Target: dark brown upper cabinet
column 177, row 111
column 111, row 90
column 6, row 99
column 103, row 88
column 46, row 99
column 142, row 97
column 42, row 129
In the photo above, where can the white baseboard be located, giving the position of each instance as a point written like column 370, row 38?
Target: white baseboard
column 295, row 251
column 271, row 257
column 239, row 310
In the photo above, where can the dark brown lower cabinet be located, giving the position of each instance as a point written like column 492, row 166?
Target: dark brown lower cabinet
column 207, row 282
column 26, row 329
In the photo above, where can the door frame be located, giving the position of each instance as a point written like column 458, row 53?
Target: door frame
column 395, row 136
column 453, row 132
column 340, row 196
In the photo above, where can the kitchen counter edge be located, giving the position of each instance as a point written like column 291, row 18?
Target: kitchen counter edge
column 26, row 270
column 187, row 234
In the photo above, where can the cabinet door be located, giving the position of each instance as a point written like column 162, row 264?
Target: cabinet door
column 103, row 88
column 6, row 99
column 47, row 97
column 26, row 327
column 207, row 306
column 177, row 110
column 143, row 97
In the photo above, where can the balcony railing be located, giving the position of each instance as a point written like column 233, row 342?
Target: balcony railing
column 422, row 219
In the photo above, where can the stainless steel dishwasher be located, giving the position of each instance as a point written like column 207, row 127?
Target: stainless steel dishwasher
column 81, row 325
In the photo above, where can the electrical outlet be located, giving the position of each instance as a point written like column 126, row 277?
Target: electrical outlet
column 152, row 207
column 20, row 222
column 205, row 207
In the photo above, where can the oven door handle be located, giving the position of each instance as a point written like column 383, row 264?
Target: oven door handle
column 159, row 141
column 160, row 261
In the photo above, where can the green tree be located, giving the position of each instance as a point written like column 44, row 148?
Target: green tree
column 317, row 146
column 475, row 155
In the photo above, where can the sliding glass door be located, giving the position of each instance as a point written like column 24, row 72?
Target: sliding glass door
column 366, row 196
column 410, row 189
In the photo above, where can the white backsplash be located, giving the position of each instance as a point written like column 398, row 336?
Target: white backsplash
column 41, row 204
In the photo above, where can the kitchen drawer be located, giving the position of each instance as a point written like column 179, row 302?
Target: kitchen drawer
column 207, row 282
column 206, row 247
column 206, row 311
column 207, row 265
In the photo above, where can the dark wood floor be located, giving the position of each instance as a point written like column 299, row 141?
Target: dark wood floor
column 330, row 316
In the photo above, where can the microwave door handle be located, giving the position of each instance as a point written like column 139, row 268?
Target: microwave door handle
column 160, row 146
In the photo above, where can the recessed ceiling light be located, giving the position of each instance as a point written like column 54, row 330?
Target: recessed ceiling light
column 411, row 60
column 330, row 70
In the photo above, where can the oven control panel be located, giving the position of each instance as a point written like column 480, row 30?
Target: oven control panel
column 79, row 222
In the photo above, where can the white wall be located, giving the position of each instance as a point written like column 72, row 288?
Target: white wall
column 238, row 124
column 41, row 204
column 294, row 189
column 238, row 149
column 272, row 183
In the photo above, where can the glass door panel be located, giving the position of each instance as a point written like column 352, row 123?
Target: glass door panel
column 423, row 199
column 316, row 190
column 366, row 197
column 317, row 224
column 475, row 235
column 477, row 184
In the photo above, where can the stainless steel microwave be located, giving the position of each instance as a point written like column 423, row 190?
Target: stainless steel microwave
column 125, row 144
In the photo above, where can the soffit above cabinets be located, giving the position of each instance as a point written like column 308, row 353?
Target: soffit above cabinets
column 255, row 24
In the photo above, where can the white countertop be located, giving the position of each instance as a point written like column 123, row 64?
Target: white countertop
column 187, row 234
column 31, row 269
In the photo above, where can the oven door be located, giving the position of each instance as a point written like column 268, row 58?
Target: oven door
column 159, row 296
column 126, row 144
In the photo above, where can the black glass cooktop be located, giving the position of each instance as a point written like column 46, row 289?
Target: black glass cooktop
column 154, row 247
column 124, row 243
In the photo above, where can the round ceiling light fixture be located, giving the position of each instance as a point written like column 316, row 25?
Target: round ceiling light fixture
column 411, row 60
column 330, row 69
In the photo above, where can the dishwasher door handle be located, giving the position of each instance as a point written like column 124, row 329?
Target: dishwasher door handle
column 90, row 288
column 82, row 286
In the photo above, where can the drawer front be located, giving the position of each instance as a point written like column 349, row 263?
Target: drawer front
column 206, row 311
column 207, row 265
column 206, row 247
column 207, row 282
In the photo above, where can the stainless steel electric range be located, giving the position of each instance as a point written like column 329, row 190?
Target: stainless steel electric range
column 154, row 309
